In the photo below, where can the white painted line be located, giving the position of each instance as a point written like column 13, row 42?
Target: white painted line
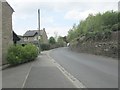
column 27, row 76
column 74, row 80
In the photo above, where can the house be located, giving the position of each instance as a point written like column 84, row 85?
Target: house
column 0, row 33
column 7, row 35
column 16, row 38
column 31, row 36
column 21, row 41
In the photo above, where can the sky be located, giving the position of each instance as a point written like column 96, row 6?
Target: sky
column 57, row 16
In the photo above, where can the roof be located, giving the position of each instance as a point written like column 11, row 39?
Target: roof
column 31, row 33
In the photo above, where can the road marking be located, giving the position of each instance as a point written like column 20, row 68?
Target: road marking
column 74, row 80
column 27, row 76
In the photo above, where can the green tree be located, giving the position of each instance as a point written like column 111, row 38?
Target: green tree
column 60, row 41
column 96, row 26
column 52, row 40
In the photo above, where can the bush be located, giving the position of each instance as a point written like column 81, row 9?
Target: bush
column 45, row 47
column 14, row 54
column 19, row 54
column 30, row 52
column 116, row 27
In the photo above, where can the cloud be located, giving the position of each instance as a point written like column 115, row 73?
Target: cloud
column 47, row 20
column 61, row 31
column 55, row 13
column 78, row 15
column 83, row 9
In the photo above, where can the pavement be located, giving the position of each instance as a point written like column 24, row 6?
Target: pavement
column 41, row 73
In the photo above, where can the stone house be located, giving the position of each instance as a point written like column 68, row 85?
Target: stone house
column 31, row 36
column 0, row 33
column 21, row 41
column 6, row 33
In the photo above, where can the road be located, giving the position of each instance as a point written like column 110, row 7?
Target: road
column 93, row 71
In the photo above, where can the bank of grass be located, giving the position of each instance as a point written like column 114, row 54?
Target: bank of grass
column 20, row 54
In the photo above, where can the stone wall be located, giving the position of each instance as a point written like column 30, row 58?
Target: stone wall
column 7, row 36
column 0, row 33
column 108, row 48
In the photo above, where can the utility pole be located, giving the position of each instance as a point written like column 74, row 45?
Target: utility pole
column 39, row 30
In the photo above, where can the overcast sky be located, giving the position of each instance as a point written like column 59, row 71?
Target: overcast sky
column 57, row 16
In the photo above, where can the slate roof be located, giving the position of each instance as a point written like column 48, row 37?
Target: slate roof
column 32, row 33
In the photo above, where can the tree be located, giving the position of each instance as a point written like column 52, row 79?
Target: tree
column 95, row 25
column 56, row 35
column 60, row 41
column 52, row 40
column 65, row 39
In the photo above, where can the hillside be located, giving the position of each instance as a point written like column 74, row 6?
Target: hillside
column 97, row 34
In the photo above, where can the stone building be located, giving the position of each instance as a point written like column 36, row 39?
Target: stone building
column 6, row 32
column 0, row 32
column 31, row 36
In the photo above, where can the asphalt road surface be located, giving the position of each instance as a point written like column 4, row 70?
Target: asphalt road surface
column 93, row 71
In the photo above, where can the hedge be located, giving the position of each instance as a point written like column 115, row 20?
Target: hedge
column 45, row 46
column 19, row 54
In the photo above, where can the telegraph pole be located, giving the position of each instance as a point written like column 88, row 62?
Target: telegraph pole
column 39, row 30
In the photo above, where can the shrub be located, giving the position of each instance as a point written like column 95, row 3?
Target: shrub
column 45, row 46
column 116, row 27
column 107, row 34
column 52, row 40
column 14, row 54
column 19, row 54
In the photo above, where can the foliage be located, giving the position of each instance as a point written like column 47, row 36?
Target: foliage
column 52, row 40
column 14, row 55
column 72, row 33
column 96, row 27
column 30, row 52
column 116, row 27
column 60, row 41
column 19, row 54
column 45, row 46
